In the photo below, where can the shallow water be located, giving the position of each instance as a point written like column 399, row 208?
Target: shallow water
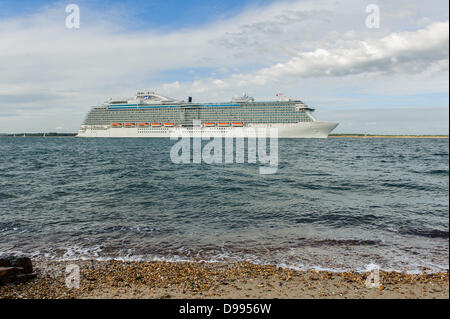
column 333, row 204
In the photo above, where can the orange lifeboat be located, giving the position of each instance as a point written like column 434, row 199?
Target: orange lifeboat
column 210, row 124
column 116, row 124
column 129, row 124
column 169, row 124
column 224, row 124
column 156, row 124
column 237, row 124
column 143, row 124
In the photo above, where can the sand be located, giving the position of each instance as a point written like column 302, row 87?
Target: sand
column 116, row 279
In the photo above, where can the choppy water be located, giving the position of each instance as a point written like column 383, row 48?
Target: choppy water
column 333, row 204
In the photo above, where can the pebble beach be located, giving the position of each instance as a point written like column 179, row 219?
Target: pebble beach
column 174, row 280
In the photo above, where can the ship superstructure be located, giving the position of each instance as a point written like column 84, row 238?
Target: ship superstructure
column 149, row 114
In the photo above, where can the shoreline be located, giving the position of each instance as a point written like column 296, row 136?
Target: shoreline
column 387, row 136
column 167, row 280
column 330, row 136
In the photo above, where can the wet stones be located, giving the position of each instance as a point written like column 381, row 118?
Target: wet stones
column 7, row 274
column 15, row 268
column 22, row 262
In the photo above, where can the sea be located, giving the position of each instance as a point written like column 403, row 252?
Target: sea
column 333, row 204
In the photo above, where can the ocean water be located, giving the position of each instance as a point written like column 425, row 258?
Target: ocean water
column 334, row 204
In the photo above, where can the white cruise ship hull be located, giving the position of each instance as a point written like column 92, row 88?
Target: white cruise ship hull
column 295, row 130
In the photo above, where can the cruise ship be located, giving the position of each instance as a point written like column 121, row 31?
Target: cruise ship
column 149, row 114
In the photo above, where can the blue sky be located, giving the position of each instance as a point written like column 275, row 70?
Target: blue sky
column 320, row 51
column 166, row 14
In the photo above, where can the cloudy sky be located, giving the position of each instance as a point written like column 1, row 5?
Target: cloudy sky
column 391, row 79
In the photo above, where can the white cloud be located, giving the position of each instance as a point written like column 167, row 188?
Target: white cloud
column 425, row 50
column 221, row 84
column 171, row 86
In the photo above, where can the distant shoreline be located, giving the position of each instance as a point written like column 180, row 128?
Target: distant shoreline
column 38, row 135
column 386, row 136
column 331, row 135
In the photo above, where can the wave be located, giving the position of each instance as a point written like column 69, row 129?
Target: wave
column 438, row 172
column 342, row 242
column 407, row 186
column 74, row 254
column 430, row 233
column 7, row 196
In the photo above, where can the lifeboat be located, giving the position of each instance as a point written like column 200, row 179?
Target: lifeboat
column 129, row 124
column 143, row 124
column 210, row 124
column 156, row 124
column 237, row 124
column 116, row 124
column 169, row 124
column 224, row 124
